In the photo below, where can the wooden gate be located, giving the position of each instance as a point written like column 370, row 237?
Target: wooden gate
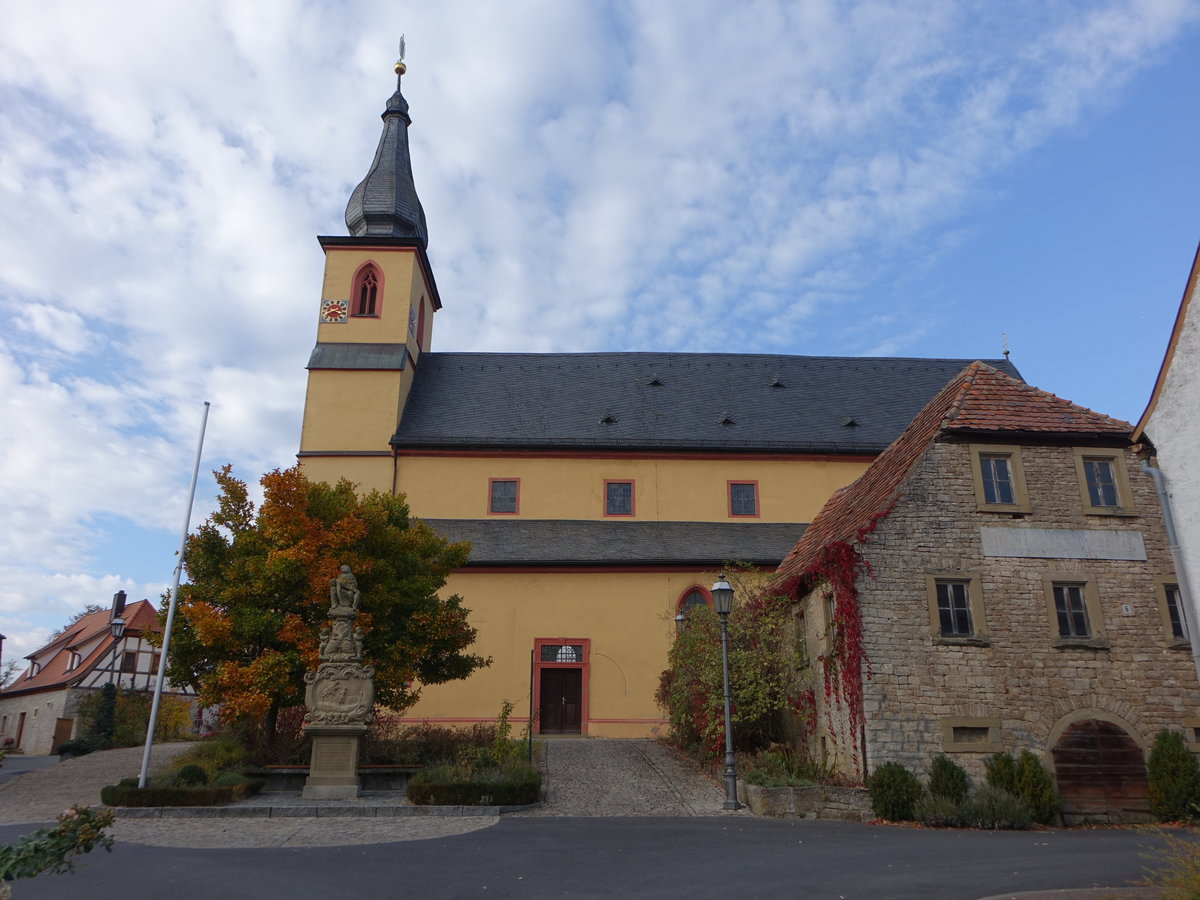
column 1101, row 774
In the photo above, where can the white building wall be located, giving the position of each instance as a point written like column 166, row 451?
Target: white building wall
column 1174, row 428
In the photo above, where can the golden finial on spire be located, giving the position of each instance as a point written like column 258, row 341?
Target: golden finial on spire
column 400, row 67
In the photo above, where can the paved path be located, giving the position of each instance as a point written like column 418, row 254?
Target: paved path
column 599, row 777
column 583, row 777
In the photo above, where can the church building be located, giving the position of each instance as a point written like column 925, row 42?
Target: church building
column 602, row 493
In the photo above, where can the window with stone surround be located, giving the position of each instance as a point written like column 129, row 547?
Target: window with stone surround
column 1074, row 608
column 1103, row 482
column 1173, row 613
column 971, row 735
column 956, row 608
column 999, row 479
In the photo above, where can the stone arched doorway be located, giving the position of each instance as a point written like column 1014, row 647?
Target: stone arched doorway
column 1101, row 773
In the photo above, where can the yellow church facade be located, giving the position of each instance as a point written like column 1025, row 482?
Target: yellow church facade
column 602, row 493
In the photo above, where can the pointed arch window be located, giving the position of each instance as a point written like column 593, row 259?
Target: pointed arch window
column 692, row 598
column 366, row 294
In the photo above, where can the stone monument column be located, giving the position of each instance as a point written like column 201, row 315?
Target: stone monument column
column 339, row 697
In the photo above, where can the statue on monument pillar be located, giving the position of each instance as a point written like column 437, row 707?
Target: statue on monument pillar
column 343, row 590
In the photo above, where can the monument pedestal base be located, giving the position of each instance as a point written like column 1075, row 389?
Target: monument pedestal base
column 333, row 773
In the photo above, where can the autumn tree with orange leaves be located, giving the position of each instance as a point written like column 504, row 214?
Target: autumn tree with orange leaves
column 249, row 618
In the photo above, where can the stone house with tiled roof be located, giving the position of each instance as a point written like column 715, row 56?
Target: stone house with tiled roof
column 38, row 709
column 998, row 579
column 601, row 492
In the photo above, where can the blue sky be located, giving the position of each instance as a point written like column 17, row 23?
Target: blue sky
column 852, row 178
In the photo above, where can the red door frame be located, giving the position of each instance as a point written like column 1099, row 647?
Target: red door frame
column 584, row 666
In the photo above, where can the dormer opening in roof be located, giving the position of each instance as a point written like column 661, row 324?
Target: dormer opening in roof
column 655, row 381
column 608, row 419
column 726, row 419
column 776, row 382
column 385, row 202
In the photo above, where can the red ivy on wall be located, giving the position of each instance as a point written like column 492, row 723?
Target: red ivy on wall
column 839, row 567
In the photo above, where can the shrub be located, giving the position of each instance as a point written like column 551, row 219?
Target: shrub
column 894, row 792
column 126, row 794
column 995, row 808
column 79, row 830
column 948, row 779
column 1027, row 779
column 938, row 812
column 130, row 714
column 1174, row 778
column 762, row 672
column 781, row 766
column 80, row 746
column 214, row 755
column 192, row 775
column 459, row 785
column 1179, row 871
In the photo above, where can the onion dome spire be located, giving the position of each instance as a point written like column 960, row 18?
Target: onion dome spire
column 385, row 202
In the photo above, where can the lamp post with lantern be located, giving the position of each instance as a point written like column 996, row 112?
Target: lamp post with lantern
column 722, row 595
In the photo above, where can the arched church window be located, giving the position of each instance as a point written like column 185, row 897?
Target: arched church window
column 367, row 292
column 692, row 598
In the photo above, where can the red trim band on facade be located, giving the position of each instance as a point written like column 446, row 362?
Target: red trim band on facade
column 706, row 455
column 306, row 453
column 599, row 569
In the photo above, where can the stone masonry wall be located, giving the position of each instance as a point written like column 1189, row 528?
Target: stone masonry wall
column 917, row 683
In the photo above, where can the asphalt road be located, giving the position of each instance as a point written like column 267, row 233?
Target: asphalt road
column 626, row 857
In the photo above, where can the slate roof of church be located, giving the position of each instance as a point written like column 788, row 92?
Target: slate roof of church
column 662, row 401
column 979, row 400
column 535, row 542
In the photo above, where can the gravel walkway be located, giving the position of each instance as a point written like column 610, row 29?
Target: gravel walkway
column 582, row 776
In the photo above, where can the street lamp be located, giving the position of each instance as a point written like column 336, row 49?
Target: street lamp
column 722, row 595
column 108, row 713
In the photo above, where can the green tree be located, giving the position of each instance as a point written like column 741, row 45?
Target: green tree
column 248, row 620
column 762, row 667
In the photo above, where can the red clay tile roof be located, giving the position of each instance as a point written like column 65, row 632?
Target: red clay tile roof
column 979, row 399
column 139, row 616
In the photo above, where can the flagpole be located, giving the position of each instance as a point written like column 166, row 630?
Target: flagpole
column 162, row 657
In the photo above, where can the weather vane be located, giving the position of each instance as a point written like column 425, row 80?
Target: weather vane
column 400, row 66
column 1004, row 343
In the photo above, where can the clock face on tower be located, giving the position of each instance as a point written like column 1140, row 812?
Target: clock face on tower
column 334, row 310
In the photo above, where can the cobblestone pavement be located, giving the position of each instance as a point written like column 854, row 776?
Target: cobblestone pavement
column 582, row 776
column 40, row 795
column 598, row 777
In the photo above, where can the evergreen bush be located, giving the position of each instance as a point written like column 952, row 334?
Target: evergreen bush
column 1027, row 779
column 192, row 775
column 1174, row 779
column 894, row 792
column 80, row 746
column 126, row 794
column 948, row 779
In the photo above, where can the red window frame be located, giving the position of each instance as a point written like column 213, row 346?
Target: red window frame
column 517, row 506
column 356, row 283
column 729, row 500
column 632, row 498
column 584, row 665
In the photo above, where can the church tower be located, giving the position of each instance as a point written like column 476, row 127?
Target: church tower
column 376, row 318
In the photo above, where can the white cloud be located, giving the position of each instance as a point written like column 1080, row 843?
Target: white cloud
column 596, row 176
